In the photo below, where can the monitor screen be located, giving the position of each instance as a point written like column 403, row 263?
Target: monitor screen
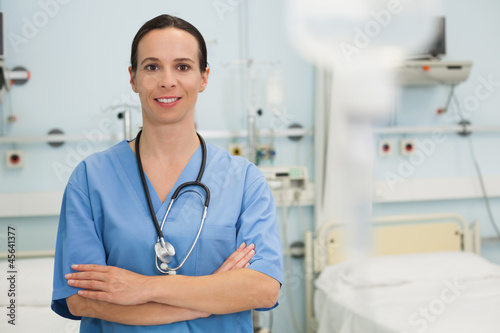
column 2, row 39
column 436, row 48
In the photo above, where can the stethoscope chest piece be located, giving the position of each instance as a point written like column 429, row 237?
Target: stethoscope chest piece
column 164, row 253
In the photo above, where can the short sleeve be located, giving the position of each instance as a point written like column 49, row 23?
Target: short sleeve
column 258, row 225
column 78, row 242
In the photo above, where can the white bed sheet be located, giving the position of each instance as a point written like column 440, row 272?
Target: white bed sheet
column 39, row 319
column 433, row 293
column 33, row 297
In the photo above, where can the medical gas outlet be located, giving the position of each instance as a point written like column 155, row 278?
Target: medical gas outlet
column 236, row 149
column 386, row 148
column 407, row 147
column 15, row 159
column 265, row 152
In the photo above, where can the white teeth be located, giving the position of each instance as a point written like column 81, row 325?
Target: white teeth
column 167, row 100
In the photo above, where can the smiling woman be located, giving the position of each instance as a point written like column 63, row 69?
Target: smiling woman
column 167, row 78
column 106, row 267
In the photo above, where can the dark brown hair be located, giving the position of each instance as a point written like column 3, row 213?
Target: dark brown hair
column 167, row 21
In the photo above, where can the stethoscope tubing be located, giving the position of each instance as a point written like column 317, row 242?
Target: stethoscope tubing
column 197, row 182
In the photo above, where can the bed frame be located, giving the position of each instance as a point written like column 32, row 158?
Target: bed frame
column 389, row 235
column 29, row 254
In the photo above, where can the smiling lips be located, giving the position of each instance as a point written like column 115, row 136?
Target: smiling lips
column 168, row 101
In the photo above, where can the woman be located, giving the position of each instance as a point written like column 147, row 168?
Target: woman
column 105, row 271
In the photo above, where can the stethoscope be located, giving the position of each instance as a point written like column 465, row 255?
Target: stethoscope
column 164, row 251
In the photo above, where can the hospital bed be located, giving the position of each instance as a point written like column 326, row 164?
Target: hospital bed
column 425, row 275
column 33, row 294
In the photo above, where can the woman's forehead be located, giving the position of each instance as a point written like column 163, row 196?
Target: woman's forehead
column 167, row 44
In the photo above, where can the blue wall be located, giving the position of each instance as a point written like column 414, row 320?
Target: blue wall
column 78, row 59
column 471, row 35
column 78, row 53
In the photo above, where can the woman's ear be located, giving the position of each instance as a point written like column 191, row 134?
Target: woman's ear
column 132, row 79
column 204, row 79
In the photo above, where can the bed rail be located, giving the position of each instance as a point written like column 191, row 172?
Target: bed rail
column 29, row 254
column 319, row 245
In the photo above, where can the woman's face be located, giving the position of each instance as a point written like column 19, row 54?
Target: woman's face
column 168, row 77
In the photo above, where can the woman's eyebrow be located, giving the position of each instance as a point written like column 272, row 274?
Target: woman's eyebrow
column 150, row 59
column 183, row 59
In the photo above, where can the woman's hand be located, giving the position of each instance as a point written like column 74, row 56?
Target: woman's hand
column 120, row 286
column 238, row 259
column 109, row 284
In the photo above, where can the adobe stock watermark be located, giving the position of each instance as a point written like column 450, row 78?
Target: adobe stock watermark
column 224, row 6
column 424, row 316
column 372, row 29
column 423, row 150
column 483, row 91
column 31, row 26
column 129, row 99
column 281, row 120
column 94, row 138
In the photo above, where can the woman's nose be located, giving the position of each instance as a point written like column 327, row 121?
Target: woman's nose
column 168, row 80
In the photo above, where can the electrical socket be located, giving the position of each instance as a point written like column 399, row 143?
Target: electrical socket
column 385, row 147
column 15, row 159
column 407, row 147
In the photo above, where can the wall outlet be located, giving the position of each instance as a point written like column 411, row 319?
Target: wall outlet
column 385, row 148
column 15, row 159
column 407, row 147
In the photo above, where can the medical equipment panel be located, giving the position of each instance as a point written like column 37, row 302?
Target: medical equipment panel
column 290, row 185
column 286, row 177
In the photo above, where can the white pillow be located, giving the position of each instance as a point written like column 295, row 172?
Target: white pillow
column 33, row 281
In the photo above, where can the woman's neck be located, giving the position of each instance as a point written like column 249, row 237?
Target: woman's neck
column 167, row 143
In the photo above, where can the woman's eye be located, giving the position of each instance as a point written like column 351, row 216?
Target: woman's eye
column 151, row 67
column 183, row 67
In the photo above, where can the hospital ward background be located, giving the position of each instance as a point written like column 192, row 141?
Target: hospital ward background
column 375, row 123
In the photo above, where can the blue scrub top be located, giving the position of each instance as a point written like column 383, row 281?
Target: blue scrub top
column 105, row 220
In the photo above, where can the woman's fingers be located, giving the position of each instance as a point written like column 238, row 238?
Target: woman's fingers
column 238, row 259
column 239, row 254
column 245, row 261
column 108, row 283
column 89, row 272
column 91, row 268
column 88, row 284
column 92, row 277
column 86, row 276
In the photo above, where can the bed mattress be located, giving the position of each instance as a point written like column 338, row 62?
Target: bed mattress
column 434, row 293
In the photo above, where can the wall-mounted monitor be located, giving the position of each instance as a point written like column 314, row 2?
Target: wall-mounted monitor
column 2, row 37
column 436, row 48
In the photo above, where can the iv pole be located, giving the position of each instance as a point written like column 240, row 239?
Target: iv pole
column 245, row 90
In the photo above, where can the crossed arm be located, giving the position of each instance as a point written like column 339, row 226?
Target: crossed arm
column 119, row 295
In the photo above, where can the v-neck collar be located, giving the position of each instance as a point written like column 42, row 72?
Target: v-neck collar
column 131, row 175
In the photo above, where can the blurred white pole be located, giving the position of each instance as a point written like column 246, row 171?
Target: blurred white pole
column 359, row 41
column 245, row 77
